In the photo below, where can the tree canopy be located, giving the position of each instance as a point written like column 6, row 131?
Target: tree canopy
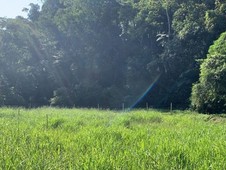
column 87, row 53
column 209, row 94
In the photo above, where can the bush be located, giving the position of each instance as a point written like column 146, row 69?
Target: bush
column 62, row 97
column 209, row 94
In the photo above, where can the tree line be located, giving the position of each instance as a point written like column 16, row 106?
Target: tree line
column 86, row 53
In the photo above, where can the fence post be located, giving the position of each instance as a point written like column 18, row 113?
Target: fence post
column 171, row 107
column 98, row 106
column 47, row 121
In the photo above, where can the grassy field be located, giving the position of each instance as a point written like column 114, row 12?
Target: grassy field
column 50, row 138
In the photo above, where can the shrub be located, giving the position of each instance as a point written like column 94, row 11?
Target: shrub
column 209, row 94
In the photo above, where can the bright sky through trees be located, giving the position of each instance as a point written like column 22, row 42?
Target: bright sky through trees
column 13, row 8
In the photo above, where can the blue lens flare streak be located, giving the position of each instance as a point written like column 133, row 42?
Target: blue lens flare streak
column 146, row 92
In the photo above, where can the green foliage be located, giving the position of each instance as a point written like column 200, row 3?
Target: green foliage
column 99, row 139
column 61, row 97
column 188, row 20
column 86, row 53
column 215, row 18
column 24, row 57
column 209, row 94
column 34, row 12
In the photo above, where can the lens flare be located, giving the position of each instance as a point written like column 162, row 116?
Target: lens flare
column 146, row 92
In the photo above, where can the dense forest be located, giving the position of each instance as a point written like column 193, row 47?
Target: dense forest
column 89, row 53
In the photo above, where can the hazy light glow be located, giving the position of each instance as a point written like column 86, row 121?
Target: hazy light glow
column 13, row 8
column 146, row 91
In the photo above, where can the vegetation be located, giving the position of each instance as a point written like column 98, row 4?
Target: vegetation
column 48, row 138
column 114, row 54
column 209, row 95
column 86, row 53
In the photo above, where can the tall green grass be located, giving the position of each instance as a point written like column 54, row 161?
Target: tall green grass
column 50, row 138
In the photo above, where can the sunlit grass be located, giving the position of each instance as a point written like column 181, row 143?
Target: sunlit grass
column 50, row 138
